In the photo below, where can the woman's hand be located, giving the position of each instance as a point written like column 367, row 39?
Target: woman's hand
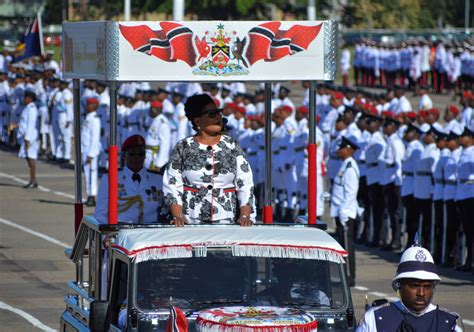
column 179, row 220
column 244, row 221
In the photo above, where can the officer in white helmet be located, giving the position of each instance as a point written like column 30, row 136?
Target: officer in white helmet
column 415, row 282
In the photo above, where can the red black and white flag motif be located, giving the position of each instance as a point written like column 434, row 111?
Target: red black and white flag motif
column 268, row 43
column 177, row 321
column 173, row 42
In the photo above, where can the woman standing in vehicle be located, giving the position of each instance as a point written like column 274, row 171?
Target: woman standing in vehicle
column 208, row 178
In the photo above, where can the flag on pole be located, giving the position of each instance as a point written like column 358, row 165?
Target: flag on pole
column 31, row 43
column 177, row 321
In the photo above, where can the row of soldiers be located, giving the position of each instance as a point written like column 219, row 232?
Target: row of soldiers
column 443, row 65
column 158, row 115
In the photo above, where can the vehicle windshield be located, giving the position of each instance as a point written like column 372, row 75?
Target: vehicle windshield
column 221, row 279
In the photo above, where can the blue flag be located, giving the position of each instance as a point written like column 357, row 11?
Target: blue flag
column 31, row 42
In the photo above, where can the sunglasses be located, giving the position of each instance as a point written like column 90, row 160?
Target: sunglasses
column 213, row 113
column 136, row 153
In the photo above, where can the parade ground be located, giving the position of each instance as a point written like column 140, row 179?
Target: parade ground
column 37, row 225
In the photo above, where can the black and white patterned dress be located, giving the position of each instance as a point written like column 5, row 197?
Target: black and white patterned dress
column 210, row 182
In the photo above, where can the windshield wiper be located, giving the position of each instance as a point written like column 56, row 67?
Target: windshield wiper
column 209, row 304
column 305, row 304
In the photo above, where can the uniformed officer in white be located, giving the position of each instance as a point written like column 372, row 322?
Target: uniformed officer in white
column 392, row 179
column 374, row 153
column 423, row 185
column 413, row 151
column 158, row 138
column 65, row 114
column 140, row 195
column 28, row 136
column 90, row 148
column 344, row 205
column 415, row 282
column 4, row 108
column 465, row 193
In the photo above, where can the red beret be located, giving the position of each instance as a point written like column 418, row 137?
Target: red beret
column 467, row 94
column 92, row 100
column 411, row 115
column 134, row 141
column 453, row 109
column 422, row 113
column 286, row 108
column 337, row 95
column 241, row 109
column 434, row 111
column 387, row 114
column 303, row 109
column 156, row 104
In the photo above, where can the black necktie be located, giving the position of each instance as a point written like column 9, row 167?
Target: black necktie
column 136, row 177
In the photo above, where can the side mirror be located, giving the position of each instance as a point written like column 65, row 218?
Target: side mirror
column 97, row 317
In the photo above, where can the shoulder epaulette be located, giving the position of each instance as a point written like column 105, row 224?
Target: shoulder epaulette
column 349, row 164
column 449, row 312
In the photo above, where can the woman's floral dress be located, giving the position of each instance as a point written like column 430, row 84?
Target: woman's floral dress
column 210, row 182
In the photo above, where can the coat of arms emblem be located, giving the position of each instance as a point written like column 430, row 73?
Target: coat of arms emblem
column 220, row 53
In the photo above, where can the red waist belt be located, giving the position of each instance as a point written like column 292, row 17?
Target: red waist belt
column 195, row 190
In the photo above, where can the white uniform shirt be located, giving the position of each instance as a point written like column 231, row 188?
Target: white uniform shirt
column 344, row 192
column 411, row 158
column 424, row 169
column 138, row 202
column 345, row 61
column 27, row 127
column 158, row 136
column 465, row 187
column 374, row 154
column 425, row 102
column 438, row 175
column 451, row 125
column 392, row 161
column 403, row 105
column 90, row 135
column 450, row 174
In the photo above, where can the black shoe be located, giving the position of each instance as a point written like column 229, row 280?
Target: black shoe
column 90, row 201
column 31, row 185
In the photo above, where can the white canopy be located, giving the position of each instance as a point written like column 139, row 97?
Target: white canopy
column 200, row 50
column 144, row 244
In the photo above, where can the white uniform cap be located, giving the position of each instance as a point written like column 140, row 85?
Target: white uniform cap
column 416, row 263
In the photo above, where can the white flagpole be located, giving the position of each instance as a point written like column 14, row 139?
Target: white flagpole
column 40, row 32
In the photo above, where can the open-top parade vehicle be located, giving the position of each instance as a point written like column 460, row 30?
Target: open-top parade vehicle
column 268, row 277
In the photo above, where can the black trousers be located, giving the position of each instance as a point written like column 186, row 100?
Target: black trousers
column 393, row 202
column 364, row 201
column 467, row 216
column 378, row 208
column 348, row 244
column 423, row 214
column 438, row 229
column 453, row 217
column 410, row 220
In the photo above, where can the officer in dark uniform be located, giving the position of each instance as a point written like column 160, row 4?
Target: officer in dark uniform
column 415, row 283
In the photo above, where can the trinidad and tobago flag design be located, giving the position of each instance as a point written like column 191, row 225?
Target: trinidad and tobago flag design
column 270, row 44
column 175, row 42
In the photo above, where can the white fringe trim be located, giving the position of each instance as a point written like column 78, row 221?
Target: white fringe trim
column 163, row 253
column 147, row 254
column 288, row 252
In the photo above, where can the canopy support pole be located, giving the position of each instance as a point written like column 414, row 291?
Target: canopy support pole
column 267, row 208
column 113, row 156
column 78, row 206
column 312, row 162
